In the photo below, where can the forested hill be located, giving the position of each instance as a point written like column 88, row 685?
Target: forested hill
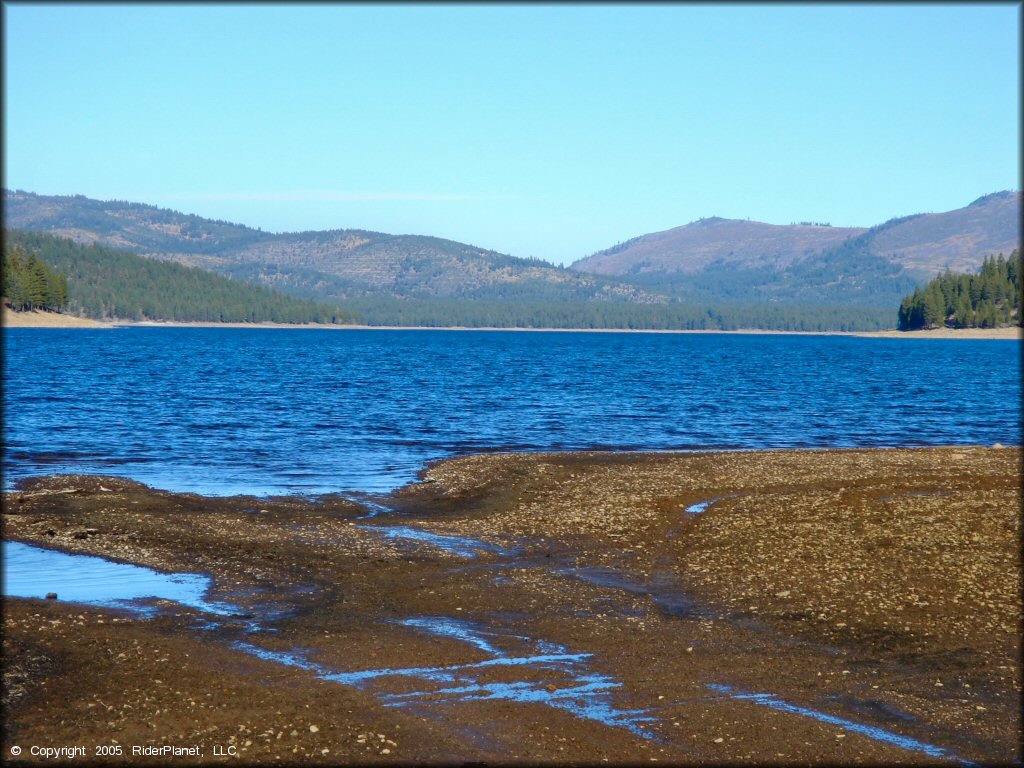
column 988, row 299
column 103, row 283
column 807, row 276
column 333, row 265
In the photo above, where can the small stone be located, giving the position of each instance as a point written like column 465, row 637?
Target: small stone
column 313, row 729
column 719, row 740
column 783, row 593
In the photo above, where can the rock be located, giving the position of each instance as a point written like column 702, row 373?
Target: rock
column 51, row 595
column 313, row 729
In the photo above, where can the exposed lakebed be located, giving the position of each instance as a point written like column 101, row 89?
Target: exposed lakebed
column 494, row 603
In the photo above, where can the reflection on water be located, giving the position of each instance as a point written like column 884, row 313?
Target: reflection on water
column 702, row 506
column 871, row 731
column 567, row 683
column 34, row 572
column 456, row 545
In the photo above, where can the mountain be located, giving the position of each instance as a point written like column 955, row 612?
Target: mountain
column 702, row 244
column 958, row 240
column 333, row 265
column 712, row 273
column 716, row 260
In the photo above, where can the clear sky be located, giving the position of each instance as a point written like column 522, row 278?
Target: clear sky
column 537, row 130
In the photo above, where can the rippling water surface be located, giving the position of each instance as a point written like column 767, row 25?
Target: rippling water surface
column 272, row 411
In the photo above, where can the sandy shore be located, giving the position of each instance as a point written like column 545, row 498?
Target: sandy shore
column 950, row 333
column 869, row 597
column 36, row 319
column 54, row 320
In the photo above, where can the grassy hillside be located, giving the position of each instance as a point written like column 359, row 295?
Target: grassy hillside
column 103, row 283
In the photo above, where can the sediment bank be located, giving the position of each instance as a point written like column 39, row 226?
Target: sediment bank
column 824, row 607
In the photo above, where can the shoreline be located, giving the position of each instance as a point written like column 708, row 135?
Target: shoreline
column 800, row 575
column 53, row 320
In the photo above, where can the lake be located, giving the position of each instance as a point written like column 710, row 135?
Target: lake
column 281, row 411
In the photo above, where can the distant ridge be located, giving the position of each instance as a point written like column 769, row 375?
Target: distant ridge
column 923, row 243
column 700, row 244
column 714, row 272
column 715, row 259
column 328, row 265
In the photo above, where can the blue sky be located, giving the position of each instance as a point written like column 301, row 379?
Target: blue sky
column 537, row 130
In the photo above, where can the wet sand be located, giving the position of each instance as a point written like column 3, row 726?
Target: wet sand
column 826, row 607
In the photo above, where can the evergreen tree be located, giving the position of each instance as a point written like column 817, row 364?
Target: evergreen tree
column 990, row 298
column 46, row 272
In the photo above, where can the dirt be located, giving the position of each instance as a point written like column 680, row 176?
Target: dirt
column 42, row 319
column 867, row 595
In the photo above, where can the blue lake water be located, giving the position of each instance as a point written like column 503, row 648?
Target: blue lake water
column 35, row 572
column 271, row 411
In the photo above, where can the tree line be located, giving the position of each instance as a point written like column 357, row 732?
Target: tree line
column 30, row 284
column 104, row 284
column 988, row 299
column 439, row 313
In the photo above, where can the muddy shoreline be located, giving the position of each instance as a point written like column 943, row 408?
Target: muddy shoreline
column 783, row 607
